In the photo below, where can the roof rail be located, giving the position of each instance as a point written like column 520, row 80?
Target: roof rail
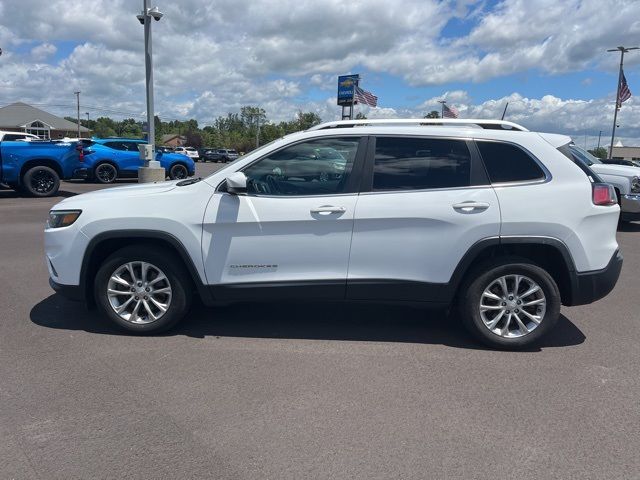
column 393, row 122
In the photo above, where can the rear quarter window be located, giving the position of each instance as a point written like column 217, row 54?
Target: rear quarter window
column 507, row 163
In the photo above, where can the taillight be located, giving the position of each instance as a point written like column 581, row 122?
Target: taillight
column 80, row 152
column 604, row 194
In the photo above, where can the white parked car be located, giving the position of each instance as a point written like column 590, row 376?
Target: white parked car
column 624, row 178
column 188, row 151
column 6, row 136
column 494, row 221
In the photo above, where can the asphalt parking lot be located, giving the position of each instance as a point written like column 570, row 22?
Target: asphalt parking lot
column 303, row 391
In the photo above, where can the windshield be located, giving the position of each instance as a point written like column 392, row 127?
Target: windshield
column 259, row 149
column 583, row 155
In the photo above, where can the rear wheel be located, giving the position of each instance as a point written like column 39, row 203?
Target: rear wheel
column 105, row 173
column 178, row 172
column 40, row 181
column 143, row 289
column 510, row 304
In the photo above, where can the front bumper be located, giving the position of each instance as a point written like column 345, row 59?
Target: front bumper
column 587, row 287
column 630, row 207
column 72, row 292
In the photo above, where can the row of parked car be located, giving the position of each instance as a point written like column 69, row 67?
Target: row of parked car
column 205, row 154
column 35, row 167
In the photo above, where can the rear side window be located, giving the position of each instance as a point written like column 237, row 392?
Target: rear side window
column 115, row 145
column 403, row 163
column 508, row 163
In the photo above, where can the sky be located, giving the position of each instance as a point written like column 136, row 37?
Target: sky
column 547, row 58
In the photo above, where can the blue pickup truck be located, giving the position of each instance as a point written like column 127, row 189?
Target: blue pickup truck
column 36, row 168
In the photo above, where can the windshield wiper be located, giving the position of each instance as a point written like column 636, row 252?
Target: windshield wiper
column 188, row 181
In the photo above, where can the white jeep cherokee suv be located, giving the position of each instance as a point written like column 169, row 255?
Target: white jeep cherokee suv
column 481, row 215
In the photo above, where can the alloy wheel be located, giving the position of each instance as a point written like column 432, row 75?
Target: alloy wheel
column 106, row 173
column 178, row 172
column 139, row 292
column 42, row 181
column 512, row 306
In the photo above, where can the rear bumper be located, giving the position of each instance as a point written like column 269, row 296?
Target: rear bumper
column 588, row 287
column 72, row 292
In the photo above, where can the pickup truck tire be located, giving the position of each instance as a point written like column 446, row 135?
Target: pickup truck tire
column 509, row 303
column 105, row 173
column 154, row 285
column 40, row 181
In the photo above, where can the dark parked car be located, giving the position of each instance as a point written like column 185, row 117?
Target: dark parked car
column 219, row 155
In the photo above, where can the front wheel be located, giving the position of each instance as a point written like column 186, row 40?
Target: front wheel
column 143, row 289
column 510, row 305
column 178, row 172
column 40, row 181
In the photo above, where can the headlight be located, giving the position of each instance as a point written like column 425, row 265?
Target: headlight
column 62, row 218
column 635, row 185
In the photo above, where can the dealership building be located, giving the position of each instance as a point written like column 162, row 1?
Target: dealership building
column 20, row 117
column 625, row 153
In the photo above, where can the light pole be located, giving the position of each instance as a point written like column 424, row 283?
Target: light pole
column 442, row 102
column 622, row 51
column 151, row 171
column 599, row 137
column 77, row 94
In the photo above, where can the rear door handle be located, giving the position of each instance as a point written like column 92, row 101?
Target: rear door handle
column 328, row 209
column 468, row 207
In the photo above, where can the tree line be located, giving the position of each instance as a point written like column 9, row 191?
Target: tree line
column 235, row 130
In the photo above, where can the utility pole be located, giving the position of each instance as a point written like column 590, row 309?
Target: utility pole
column 442, row 102
column 599, row 137
column 622, row 51
column 77, row 94
column 257, row 130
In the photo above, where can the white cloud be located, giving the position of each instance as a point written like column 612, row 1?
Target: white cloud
column 212, row 57
column 43, row 51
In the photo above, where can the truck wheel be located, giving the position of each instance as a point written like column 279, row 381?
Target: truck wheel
column 143, row 289
column 105, row 173
column 178, row 172
column 509, row 303
column 41, row 181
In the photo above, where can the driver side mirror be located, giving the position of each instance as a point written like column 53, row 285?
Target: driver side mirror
column 237, row 183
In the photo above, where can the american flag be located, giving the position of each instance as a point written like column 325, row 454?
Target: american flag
column 625, row 93
column 449, row 112
column 362, row 96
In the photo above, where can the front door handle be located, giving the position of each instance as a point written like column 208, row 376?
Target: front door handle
column 469, row 207
column 328, row 209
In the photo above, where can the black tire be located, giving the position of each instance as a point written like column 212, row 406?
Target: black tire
column 105, row 173
column 481, row 278
column 40, row 181
column 178, row 172
column 163, row 259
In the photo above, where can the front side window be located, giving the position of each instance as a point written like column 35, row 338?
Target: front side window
column 316, row 167
column 405, row 163
column 508, row 163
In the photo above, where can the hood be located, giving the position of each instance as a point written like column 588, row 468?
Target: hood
column 143, row 189
column 612, row 169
